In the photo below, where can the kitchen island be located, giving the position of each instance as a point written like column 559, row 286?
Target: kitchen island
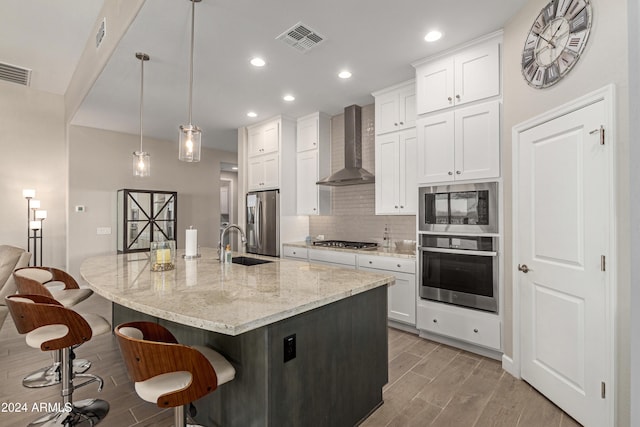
column 330, row 322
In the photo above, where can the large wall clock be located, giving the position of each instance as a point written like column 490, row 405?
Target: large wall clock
column 555, row 42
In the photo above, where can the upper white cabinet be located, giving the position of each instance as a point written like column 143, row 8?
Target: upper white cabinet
column 264, row 138
column 468, row 75
column 459, row 145
column 396, row 173
column 395, row 108
column 313, row 163
column 263, row 172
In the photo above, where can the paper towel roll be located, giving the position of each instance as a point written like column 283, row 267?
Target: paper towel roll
column 191, row 239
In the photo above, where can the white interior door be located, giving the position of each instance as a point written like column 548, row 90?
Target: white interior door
column 563, row 227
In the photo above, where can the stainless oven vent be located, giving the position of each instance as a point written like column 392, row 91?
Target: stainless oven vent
column 15, row 74
column 301, row 37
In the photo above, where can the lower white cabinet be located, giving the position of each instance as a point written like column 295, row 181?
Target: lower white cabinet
column 295, row 252
column 401, row 296
column 472, row 326
column 335, row 258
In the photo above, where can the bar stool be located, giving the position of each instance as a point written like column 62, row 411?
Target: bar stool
column 31, row 281
column 51, row 327
column 169, row 374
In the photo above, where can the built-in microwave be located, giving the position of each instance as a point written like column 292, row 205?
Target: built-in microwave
column 458, row 208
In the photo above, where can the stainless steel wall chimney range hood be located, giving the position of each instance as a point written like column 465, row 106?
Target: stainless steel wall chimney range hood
column 352, row 174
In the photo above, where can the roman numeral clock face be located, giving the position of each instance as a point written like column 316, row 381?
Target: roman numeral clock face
column 556, row 39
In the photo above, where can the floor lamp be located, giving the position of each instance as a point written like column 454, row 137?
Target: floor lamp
column 35, row 218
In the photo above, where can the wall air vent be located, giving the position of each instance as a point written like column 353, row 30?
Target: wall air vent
column 14, row 74
column 301, row 37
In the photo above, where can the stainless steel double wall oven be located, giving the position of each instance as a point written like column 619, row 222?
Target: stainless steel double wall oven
column 458, row 239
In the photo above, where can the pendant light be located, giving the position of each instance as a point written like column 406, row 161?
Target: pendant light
column 141, row 159
column 190, row 135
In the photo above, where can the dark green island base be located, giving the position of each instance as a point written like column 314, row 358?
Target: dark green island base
column 335, row 379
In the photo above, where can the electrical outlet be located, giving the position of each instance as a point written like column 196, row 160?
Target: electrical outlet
column 289, row 348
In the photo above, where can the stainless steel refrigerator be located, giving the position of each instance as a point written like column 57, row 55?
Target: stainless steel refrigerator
column 263, row 223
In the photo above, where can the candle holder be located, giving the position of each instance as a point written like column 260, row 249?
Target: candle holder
column 163, row 255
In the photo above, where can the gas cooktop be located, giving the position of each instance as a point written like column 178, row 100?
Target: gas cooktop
column 345, row 244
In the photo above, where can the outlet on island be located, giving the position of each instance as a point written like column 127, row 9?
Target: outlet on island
column 289, row 348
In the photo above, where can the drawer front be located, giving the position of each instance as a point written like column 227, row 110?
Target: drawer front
column 477, row 328
column 400, row 265
column 295, row 252
column 332, row 257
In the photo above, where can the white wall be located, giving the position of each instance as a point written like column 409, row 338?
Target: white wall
column 604, row 61
column 634, row 197
column 32, row 142
column 100, row 164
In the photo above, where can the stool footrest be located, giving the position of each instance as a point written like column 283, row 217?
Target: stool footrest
column 83, row 413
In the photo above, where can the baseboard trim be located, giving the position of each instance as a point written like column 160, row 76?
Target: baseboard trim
column 509, row 366
column 482, row 351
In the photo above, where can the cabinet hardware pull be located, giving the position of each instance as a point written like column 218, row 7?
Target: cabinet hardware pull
column 396, row 206
column 370, row 262
column 435, row 320
column 475, row 330
column 450, row 173
column 458, row 172
column 398, row 265
column 401, row 123
column 401, row 207
column 458, row 97
column 450, row 99
column 395, row 124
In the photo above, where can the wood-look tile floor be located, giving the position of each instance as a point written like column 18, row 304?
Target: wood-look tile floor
column 429, row 385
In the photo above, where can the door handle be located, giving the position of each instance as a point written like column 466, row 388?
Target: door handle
column 524, row 268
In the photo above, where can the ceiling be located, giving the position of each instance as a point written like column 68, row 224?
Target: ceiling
column 375, row 39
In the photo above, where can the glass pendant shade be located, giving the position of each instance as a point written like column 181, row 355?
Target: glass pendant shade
column 190, row 138
column 141, row 164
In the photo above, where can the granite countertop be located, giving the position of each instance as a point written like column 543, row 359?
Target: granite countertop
column 376, row 251
column 227, row 298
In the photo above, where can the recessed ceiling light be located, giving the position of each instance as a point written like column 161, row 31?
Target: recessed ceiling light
column 289, row 98
column 433, row 36
column 344, row 74
column 257, row 62
column 251, row 114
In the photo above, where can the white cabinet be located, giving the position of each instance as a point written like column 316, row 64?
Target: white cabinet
column 334, row 258
column 312, row 163
column 395, row 108
column 264, row 138
column 295, row 252
column 396, row 173
column 401, row 296
column 459, row 145
column 263, row 172
column 469, row 75
column 472, row 326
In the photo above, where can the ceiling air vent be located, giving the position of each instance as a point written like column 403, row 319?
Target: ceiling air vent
column 301, row 37
column 13, row 74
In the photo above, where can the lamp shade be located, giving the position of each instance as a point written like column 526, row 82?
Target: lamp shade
column 35, row 225
column 35, row 204
column 41, row 214
column 28, row 193
column 141, row 164
column 190, row 142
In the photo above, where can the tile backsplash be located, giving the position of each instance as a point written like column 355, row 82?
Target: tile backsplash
column 353, row 207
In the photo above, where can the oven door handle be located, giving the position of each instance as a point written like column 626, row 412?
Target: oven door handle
column 459, row 251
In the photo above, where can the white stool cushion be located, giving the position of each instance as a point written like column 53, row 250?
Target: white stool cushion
column 224, row 370
column 71, row 297
column 155, row 387
column 131, row 332
column 99, row 325
column 37, row 274
column 39, row 335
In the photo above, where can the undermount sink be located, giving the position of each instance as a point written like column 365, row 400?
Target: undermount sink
column 243, row 260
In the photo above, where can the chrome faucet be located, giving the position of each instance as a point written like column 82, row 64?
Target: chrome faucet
column 222, row 234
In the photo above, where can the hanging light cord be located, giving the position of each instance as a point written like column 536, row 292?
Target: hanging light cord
column 142, row 59
column 193, row 14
